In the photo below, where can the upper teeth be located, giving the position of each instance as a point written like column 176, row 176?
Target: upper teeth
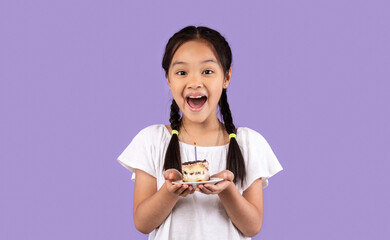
column 195, row 97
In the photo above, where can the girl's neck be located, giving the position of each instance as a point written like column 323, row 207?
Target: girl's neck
column 208, row 133
column 200, row 128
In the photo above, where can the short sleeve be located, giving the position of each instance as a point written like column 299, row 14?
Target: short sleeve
column 139, row 154
column 259, row 158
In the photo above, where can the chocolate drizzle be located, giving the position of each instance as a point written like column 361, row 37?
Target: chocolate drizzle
column 194, row 162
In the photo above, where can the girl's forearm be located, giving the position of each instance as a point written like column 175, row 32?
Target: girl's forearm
column 244, row 215
column 151, row 212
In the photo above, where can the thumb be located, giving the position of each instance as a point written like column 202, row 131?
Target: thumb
column 228, row 175
column 172, row 174
column 168, row 174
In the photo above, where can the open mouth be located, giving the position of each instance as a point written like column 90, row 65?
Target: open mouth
column 196, row 103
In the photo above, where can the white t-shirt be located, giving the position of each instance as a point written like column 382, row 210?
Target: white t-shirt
column 199, row 216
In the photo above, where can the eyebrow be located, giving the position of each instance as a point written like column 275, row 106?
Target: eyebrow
column 203, row 62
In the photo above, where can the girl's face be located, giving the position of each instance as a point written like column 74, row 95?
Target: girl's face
column 196, row 80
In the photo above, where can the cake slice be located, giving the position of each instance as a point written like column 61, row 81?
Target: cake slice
column 195, row 171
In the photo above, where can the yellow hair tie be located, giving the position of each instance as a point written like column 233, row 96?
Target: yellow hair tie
column 175, row 132
column 232, row 135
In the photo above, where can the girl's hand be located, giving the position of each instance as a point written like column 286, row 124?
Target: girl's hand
column 178, row 189
column 207, row 188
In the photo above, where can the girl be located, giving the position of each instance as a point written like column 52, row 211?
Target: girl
column 197, row 66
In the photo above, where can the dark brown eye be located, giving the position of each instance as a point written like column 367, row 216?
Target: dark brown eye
column 208, row 72
column 181, row 73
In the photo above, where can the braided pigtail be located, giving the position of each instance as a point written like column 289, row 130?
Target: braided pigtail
column 235, row 161
column 172, row 156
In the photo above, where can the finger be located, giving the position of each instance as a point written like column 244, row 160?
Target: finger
column 185, row 193
column 170, row 182
column 210, row 187
column 173, row 187
column 218, row 175
column 223, row 184
column 167, row 174
column 198, row 187
column 176, row 174
column 181, row 190
column 225, row 174
column 213, row 188
column 228, row 175
column 191, row 190
column 203, row 189
column 173, row 174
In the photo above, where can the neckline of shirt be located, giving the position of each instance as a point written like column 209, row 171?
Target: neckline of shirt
column 190, row 145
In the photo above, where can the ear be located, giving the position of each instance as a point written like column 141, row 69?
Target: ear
column 169, row 83
column 226, row 82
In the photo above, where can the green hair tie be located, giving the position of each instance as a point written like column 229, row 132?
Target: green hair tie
column 175, row 132
column 232, row 135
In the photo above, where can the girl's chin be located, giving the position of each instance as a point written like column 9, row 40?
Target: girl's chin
column 195, row 117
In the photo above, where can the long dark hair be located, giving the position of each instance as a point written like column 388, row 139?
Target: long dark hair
column 235, row 161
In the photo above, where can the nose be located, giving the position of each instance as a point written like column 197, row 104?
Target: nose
column 195, row 82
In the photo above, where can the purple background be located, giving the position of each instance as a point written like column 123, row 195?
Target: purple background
column 80, row 78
